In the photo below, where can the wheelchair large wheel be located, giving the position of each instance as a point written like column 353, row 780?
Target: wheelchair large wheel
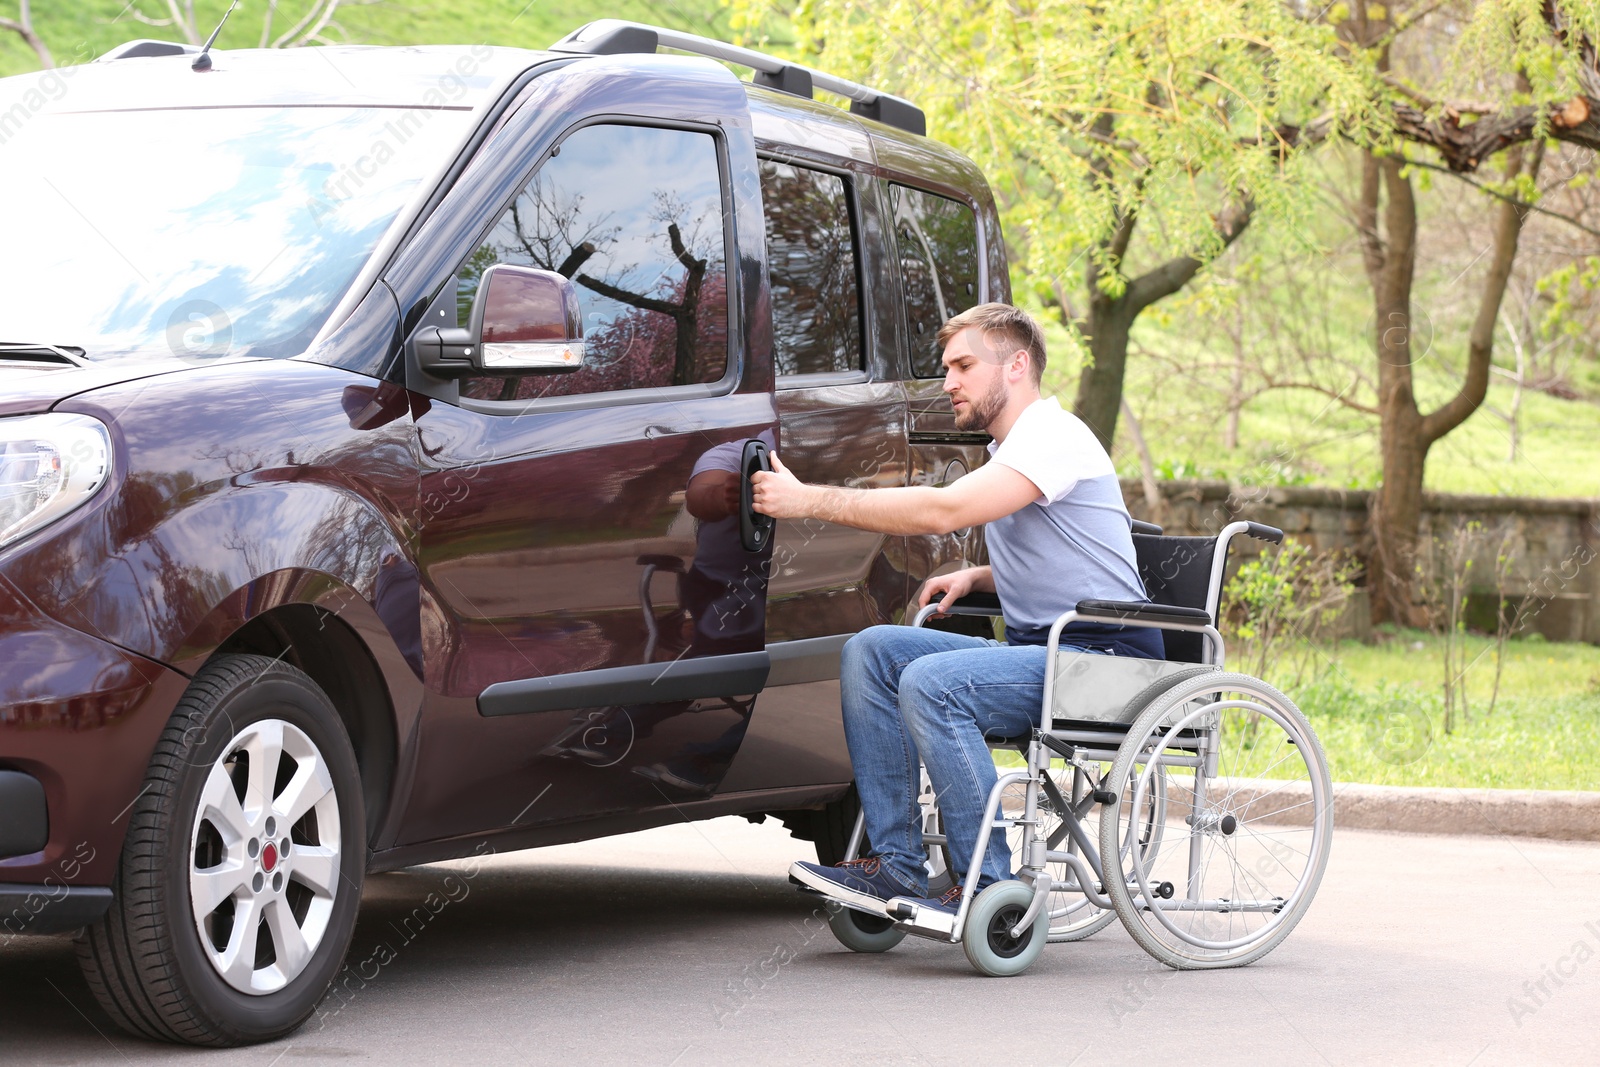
column 1248, row 822
column 987, row 938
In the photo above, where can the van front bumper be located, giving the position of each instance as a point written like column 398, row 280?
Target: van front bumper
column 50, row 909
column 79, row 721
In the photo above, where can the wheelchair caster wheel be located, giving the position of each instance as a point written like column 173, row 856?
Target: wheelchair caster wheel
column 860, row 932
column 991, row 948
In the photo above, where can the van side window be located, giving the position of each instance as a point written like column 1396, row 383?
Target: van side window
column 938, row 244
column 635, row 215
column 811, row 261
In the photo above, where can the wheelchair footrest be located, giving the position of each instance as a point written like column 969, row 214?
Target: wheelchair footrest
column 915, row 918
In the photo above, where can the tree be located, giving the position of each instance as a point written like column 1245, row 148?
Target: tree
column 1136, row 138
column 1539, row 64
column 23, row 27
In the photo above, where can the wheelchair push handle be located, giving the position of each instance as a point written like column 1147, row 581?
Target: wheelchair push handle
column 755, row 530
column 1263, row 532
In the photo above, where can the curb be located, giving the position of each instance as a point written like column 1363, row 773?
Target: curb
column 1557, row 814
column 1564, row 815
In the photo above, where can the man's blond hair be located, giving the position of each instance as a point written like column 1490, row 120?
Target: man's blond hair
column 1005, row 329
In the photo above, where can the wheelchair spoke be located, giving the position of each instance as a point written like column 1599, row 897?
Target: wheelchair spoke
column 1270, row 849
column 1246, row 783
column 1264, row 777
column 1276, row 812
column 1251, row 880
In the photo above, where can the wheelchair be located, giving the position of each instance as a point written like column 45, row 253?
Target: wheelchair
column 1190, row 802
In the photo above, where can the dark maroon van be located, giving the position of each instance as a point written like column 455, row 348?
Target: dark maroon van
column 375, row 430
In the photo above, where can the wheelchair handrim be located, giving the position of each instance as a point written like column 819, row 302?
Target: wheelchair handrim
column 1319, row 799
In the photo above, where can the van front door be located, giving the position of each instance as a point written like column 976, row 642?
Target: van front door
column 598, row 630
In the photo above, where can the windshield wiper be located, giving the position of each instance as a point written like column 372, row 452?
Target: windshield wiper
column 58, row 355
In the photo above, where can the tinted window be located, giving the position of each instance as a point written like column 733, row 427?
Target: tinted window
column 811, row 260
column 634, row 215
column 938, row 241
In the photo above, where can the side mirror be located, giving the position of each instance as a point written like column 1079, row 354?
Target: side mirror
column 523, row 321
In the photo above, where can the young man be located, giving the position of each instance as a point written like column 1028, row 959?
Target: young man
column 1057, row 532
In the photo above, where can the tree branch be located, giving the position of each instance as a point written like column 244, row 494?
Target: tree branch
column 575, row 259
column 1335, row 394
column 648, row 303
column 1523, row 204
column 1464, row 148
column 328, row 9
column 1174, row 274
column 1453, row 109
column 286, row 40
column 23, row 27
column 681, row 252
column 1480, row 342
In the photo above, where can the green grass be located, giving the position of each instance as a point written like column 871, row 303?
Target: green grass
column 1379, row 710
column 85, row 28
column 1379, row 713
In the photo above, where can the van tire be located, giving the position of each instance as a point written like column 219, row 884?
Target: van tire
column 158, row 971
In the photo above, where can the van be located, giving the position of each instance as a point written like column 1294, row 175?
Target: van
column 375, row 440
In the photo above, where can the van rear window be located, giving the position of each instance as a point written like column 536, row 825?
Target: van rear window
column 938, row 246
column 811, row 261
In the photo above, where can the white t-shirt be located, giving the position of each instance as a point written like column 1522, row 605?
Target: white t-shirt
column 1073, row 543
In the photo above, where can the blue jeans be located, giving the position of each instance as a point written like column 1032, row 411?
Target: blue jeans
column 908, row 692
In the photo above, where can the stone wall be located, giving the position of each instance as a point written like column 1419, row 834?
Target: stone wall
column 1554, row 542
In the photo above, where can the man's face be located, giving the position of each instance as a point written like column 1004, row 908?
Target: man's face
column 975, row 379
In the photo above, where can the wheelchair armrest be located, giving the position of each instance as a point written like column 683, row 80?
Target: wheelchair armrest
column 1126, row 611
column 1142, row 527
column 976, row 604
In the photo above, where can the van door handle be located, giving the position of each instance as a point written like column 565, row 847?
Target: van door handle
column 755, row 530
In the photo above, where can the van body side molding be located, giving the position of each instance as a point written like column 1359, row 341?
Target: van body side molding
column 810, row 659
column 738, row 674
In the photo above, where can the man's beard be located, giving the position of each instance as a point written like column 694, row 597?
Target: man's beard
column 983, row 410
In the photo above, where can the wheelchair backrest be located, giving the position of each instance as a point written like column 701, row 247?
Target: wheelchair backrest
column 1177, row 571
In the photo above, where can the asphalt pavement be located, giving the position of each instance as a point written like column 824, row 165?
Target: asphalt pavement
column 686, row 945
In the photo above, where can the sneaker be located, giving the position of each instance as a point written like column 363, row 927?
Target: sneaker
column 927, row 914
column 948, row 902
column 864, row 884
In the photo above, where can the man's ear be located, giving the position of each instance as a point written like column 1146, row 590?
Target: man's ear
column 1018, row 367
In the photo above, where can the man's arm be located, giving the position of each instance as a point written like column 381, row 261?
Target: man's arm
column 991, row 492
column 713, row 495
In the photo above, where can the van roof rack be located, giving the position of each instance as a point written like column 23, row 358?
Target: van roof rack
column 613, row 37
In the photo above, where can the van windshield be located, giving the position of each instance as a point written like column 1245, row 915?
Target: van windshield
column 199, row 232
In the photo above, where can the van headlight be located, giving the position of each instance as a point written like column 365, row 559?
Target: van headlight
column 49, row 464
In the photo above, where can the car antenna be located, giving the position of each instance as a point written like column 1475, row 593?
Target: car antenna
column 202, row 62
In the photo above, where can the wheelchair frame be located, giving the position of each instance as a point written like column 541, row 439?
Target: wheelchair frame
column 1191, row 743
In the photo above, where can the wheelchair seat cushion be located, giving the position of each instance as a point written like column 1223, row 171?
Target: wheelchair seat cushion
column 1104, row 689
